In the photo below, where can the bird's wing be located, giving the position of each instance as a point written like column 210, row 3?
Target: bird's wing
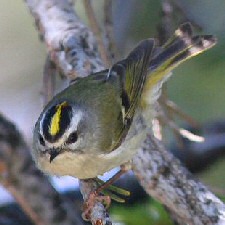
column 130, row 75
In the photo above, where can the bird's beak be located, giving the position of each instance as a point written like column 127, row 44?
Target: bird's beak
column 53, row 153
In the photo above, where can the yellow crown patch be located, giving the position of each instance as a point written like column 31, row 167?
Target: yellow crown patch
column 54, row 127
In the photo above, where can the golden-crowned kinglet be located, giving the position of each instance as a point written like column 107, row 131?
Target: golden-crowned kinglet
column 100, row 121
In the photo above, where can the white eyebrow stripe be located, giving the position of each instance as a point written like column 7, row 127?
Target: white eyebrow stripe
column 76, row 118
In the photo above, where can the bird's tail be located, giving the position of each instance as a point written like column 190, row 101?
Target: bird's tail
column 182, row 46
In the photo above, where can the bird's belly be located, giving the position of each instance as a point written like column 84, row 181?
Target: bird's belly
column 85, row 166
column 82, row 166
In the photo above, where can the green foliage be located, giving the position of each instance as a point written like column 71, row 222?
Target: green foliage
column 222, row 198
column 143, row 213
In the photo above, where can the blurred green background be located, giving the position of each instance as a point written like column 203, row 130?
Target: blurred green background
column 198, row 86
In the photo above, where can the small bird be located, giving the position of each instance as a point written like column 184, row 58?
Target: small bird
column 100, row 121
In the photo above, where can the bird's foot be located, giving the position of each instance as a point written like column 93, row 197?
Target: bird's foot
column 105, row 193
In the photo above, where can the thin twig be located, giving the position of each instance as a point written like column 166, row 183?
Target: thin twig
column 23, row 203
column 165, row 28
column 109, row 31
column 179, row 8
column 178, row 111
column 97, row 31
column 178, row 132
column 157, row 129
column 49, row 77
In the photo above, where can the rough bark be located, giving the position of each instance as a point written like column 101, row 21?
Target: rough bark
column 165, row 179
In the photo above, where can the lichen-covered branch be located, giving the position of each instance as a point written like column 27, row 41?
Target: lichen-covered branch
column 70, row 44
column 98, row 215
column 73, row 49
column 163, row 177
column 28, row 185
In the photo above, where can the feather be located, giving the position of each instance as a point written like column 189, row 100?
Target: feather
column 177, row 49
column 131, row 73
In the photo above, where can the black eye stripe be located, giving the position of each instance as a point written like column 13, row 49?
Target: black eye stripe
column 72, row 138
column 47, row 121
column 63, row 123
column 41, row 140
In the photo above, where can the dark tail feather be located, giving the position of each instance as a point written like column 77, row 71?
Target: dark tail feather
column 179, row 48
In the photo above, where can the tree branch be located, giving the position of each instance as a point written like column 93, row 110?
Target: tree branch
column 163, row 177
column 71, row 45
column 165, row 29
column 99, row 215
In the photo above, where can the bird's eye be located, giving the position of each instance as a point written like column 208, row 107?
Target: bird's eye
column 72, row 138
column 41, row 140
